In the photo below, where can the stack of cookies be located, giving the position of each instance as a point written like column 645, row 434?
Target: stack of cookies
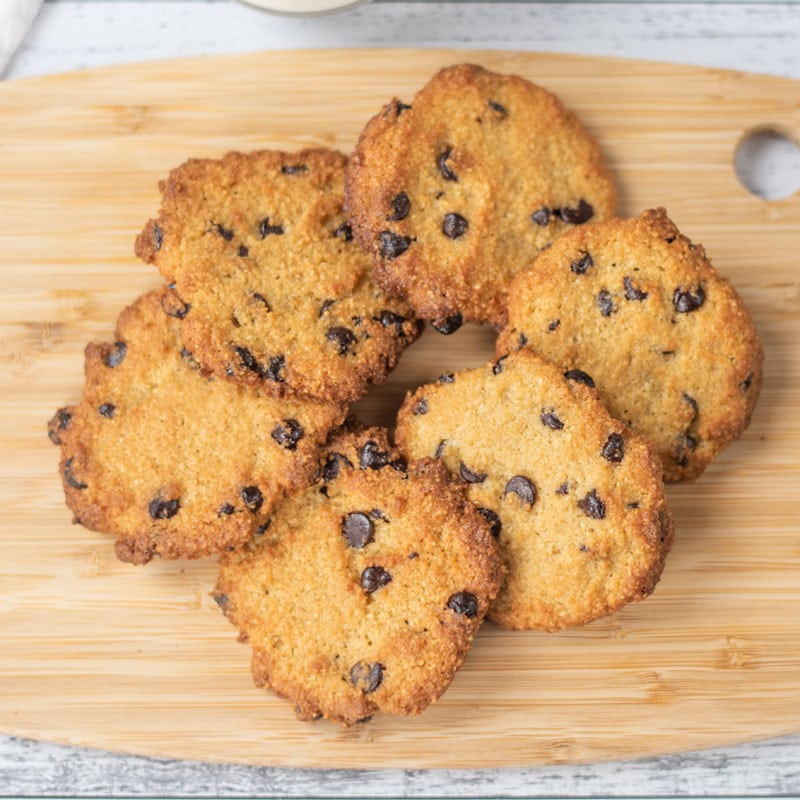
column 529, row 491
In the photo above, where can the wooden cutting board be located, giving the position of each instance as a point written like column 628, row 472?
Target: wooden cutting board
column 100, row 653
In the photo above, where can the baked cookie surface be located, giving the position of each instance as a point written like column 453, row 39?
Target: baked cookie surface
column 455, row 193
column 270, row 287
column 172, row 463
column 668, row 342
column 365, row 591
column 574, row 498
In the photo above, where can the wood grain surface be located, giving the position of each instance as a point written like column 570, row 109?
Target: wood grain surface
column 100, row 653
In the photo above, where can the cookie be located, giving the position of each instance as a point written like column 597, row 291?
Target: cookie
column 170, row 462
column 667, row 341
column 364, row 593
column 574, row 498
column 457, row 192
column 270, row 288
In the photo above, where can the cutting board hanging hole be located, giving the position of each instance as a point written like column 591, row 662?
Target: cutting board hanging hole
column 767, row 164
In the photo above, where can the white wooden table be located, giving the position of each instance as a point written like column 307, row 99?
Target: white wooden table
column 67, row 35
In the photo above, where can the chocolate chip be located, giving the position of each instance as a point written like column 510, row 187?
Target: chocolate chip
column 225, row 233
column 592, row 505
column 495, row 525
column 553, row 324
column 469, row 475
column 344, row 232
column 605, row 303
column 446, row 377
column 276, row 365
column 563, row 489
column 366, row 677
column 226, row 510
column 541, row 216
column 293, row 169
column 440, row 448
column 342, row 337
column 448, row 325
column 420, row 407
column 158, row 236
column 252, row 497
column 579, row 376
column 389, row 318
column 189, row 358
column 501, row 110
column 249, row 360
column 631, row 292
column 221, row 600
column 332, row 465
column 576, row 215
column 580, row 265
column 687, row 398
column 633, row 505
column 60, row 422
column 684, row 301
column 745, row 384
column 614, row 448
column 549, row 419
column 374, row 578
column 116, row 355
column 266, row 228
column 522, row 487
column 164, row 509
column 392, row 244
column 263, row 528
column 499, row 365
column 454, row 226
column 173, row 306
column 69, row 478
column 107, row 410
column 376, row 513
column 400, row 107
column 523, row 340
column 261, row 299
column 401, row 205
column 244, row 251
column 370, row 457
column 288, row 434
column 358, row 529
column 444, row 167
column 463, row 603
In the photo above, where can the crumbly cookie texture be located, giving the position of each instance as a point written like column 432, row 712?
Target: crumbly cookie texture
column 574, row 498
column 667, row 341
column 270, row 287
column 365, row 591
column 172, row 463
column 458, row 191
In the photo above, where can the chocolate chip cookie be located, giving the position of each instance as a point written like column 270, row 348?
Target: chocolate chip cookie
column 667, row 341
column 364, row 592
column 573, row 497
column 270, row 287
column 458, row 191
column 173, row 463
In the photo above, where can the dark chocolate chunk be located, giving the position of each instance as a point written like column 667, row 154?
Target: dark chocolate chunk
column 249, row 360
column 107, row 410
column 344, row 232
column 276, row 365
column 266, row 228
column 60, row 422
column 392, row 244
column 420, row 407
column 366, row 677
column 358, row 529
column 605, row 303
column 577, row 215
column 553, row 324
column 579, row 376
column 631, row 292
column 444, row 167
column 244, row 251
column 288, row 434
column 454, row 226
column 440, row 448
column 463, row 603
column 116, row 355
column 389, row 318
column 342, row 337
column 549, row 419
column 448, row 325
column 225, row 233
column 614, row 448
column 401, row 205
column 69, row 478
column 580, row 265
column 293, row 169
column 499, row 365
column 522, row 487
column 262, row 528
column 332, row 465
column 374, row 578
column 495, row 525
column 501, row 110
column 684, row 301
column 592, row 505
column 252, row 497
column 226, row 510
column 371, row 457
column 173, row 306
column 164, row 509
column 541, row 216
column 470, row 476
column 446, row 377
column 158, row 237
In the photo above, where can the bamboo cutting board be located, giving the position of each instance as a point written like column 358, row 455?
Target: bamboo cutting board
column 100, row 653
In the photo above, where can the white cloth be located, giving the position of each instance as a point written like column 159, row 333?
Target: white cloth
column 16, row 17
